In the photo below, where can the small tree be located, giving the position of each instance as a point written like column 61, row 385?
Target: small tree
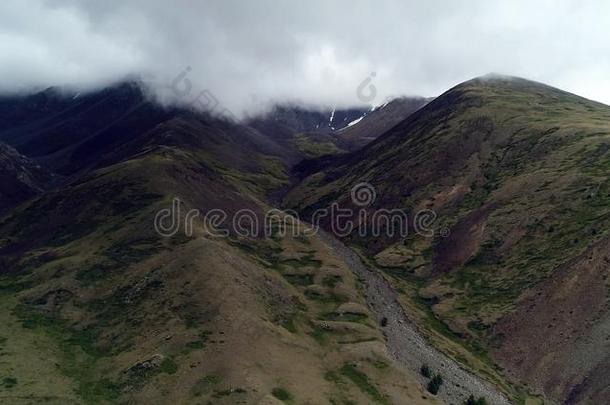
column 435, row 383
column 425, row 371
column 472, row 401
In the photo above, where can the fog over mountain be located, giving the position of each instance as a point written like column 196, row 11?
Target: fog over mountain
column 251, row 54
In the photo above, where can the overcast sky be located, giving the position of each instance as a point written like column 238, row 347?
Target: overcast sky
column 252, row 53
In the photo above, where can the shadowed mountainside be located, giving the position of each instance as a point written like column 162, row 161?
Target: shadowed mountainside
column 109, row 311
column 379, row 121
column 330, row 132
column 20, row 178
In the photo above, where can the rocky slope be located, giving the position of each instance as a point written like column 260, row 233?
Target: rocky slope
column 406, row 343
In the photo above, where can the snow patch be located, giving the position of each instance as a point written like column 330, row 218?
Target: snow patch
column 354, row 122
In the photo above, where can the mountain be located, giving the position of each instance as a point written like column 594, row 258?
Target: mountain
column 112, row 310
column 318, row 133
column 139, row 262
column 309, row 131
column 20, row 178
column 516, row 174
column 70, row 133
column 378, row 121
column 302, row 119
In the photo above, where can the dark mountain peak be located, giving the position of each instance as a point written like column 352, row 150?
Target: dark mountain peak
column 21, row 178
column 67, row 130
column 303, row 118
column 381, row 119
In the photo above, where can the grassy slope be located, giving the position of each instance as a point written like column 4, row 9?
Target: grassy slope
column 114, row 313
column 515, row 169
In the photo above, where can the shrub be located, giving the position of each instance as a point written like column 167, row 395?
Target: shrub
column 435, row 383
column 425, row 371
column 196, row 344
column 9, row 382
column 168, row 366
column 363, row 382
column 281, row 394
column 472, row 401
column 204, row 385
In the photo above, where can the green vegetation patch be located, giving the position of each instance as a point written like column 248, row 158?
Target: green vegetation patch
column 475, row 401
column 331, row 281
column 204, row 385
column 313, row 148
column 229, row 391
column 302, row 280
column 9, row 382
column 118, row 256
column 307, row 260
column 141, row 373
column 425, row 371
column 168, row 366
column 281, row 394
column 343, row 316
column 79, row 353
column 434, row 385
column 363, row 382
column 199, row 343
column 326, row 297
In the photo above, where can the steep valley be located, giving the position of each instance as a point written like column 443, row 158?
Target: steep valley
column 117, row 313
column 506, row 298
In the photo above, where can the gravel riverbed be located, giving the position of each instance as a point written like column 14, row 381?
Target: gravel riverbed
column 404, row 341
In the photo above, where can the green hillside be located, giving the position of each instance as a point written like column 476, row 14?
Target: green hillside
column 517, row 172
column 109, row 311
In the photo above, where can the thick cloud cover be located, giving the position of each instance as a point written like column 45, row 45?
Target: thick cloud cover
column 248, row 54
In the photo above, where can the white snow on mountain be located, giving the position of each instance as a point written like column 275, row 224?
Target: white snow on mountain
column 354, row 122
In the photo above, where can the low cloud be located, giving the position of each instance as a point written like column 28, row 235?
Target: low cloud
column 248, row 55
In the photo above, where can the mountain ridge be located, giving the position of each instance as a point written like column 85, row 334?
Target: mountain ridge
column 504, row 164
column 118, row 312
